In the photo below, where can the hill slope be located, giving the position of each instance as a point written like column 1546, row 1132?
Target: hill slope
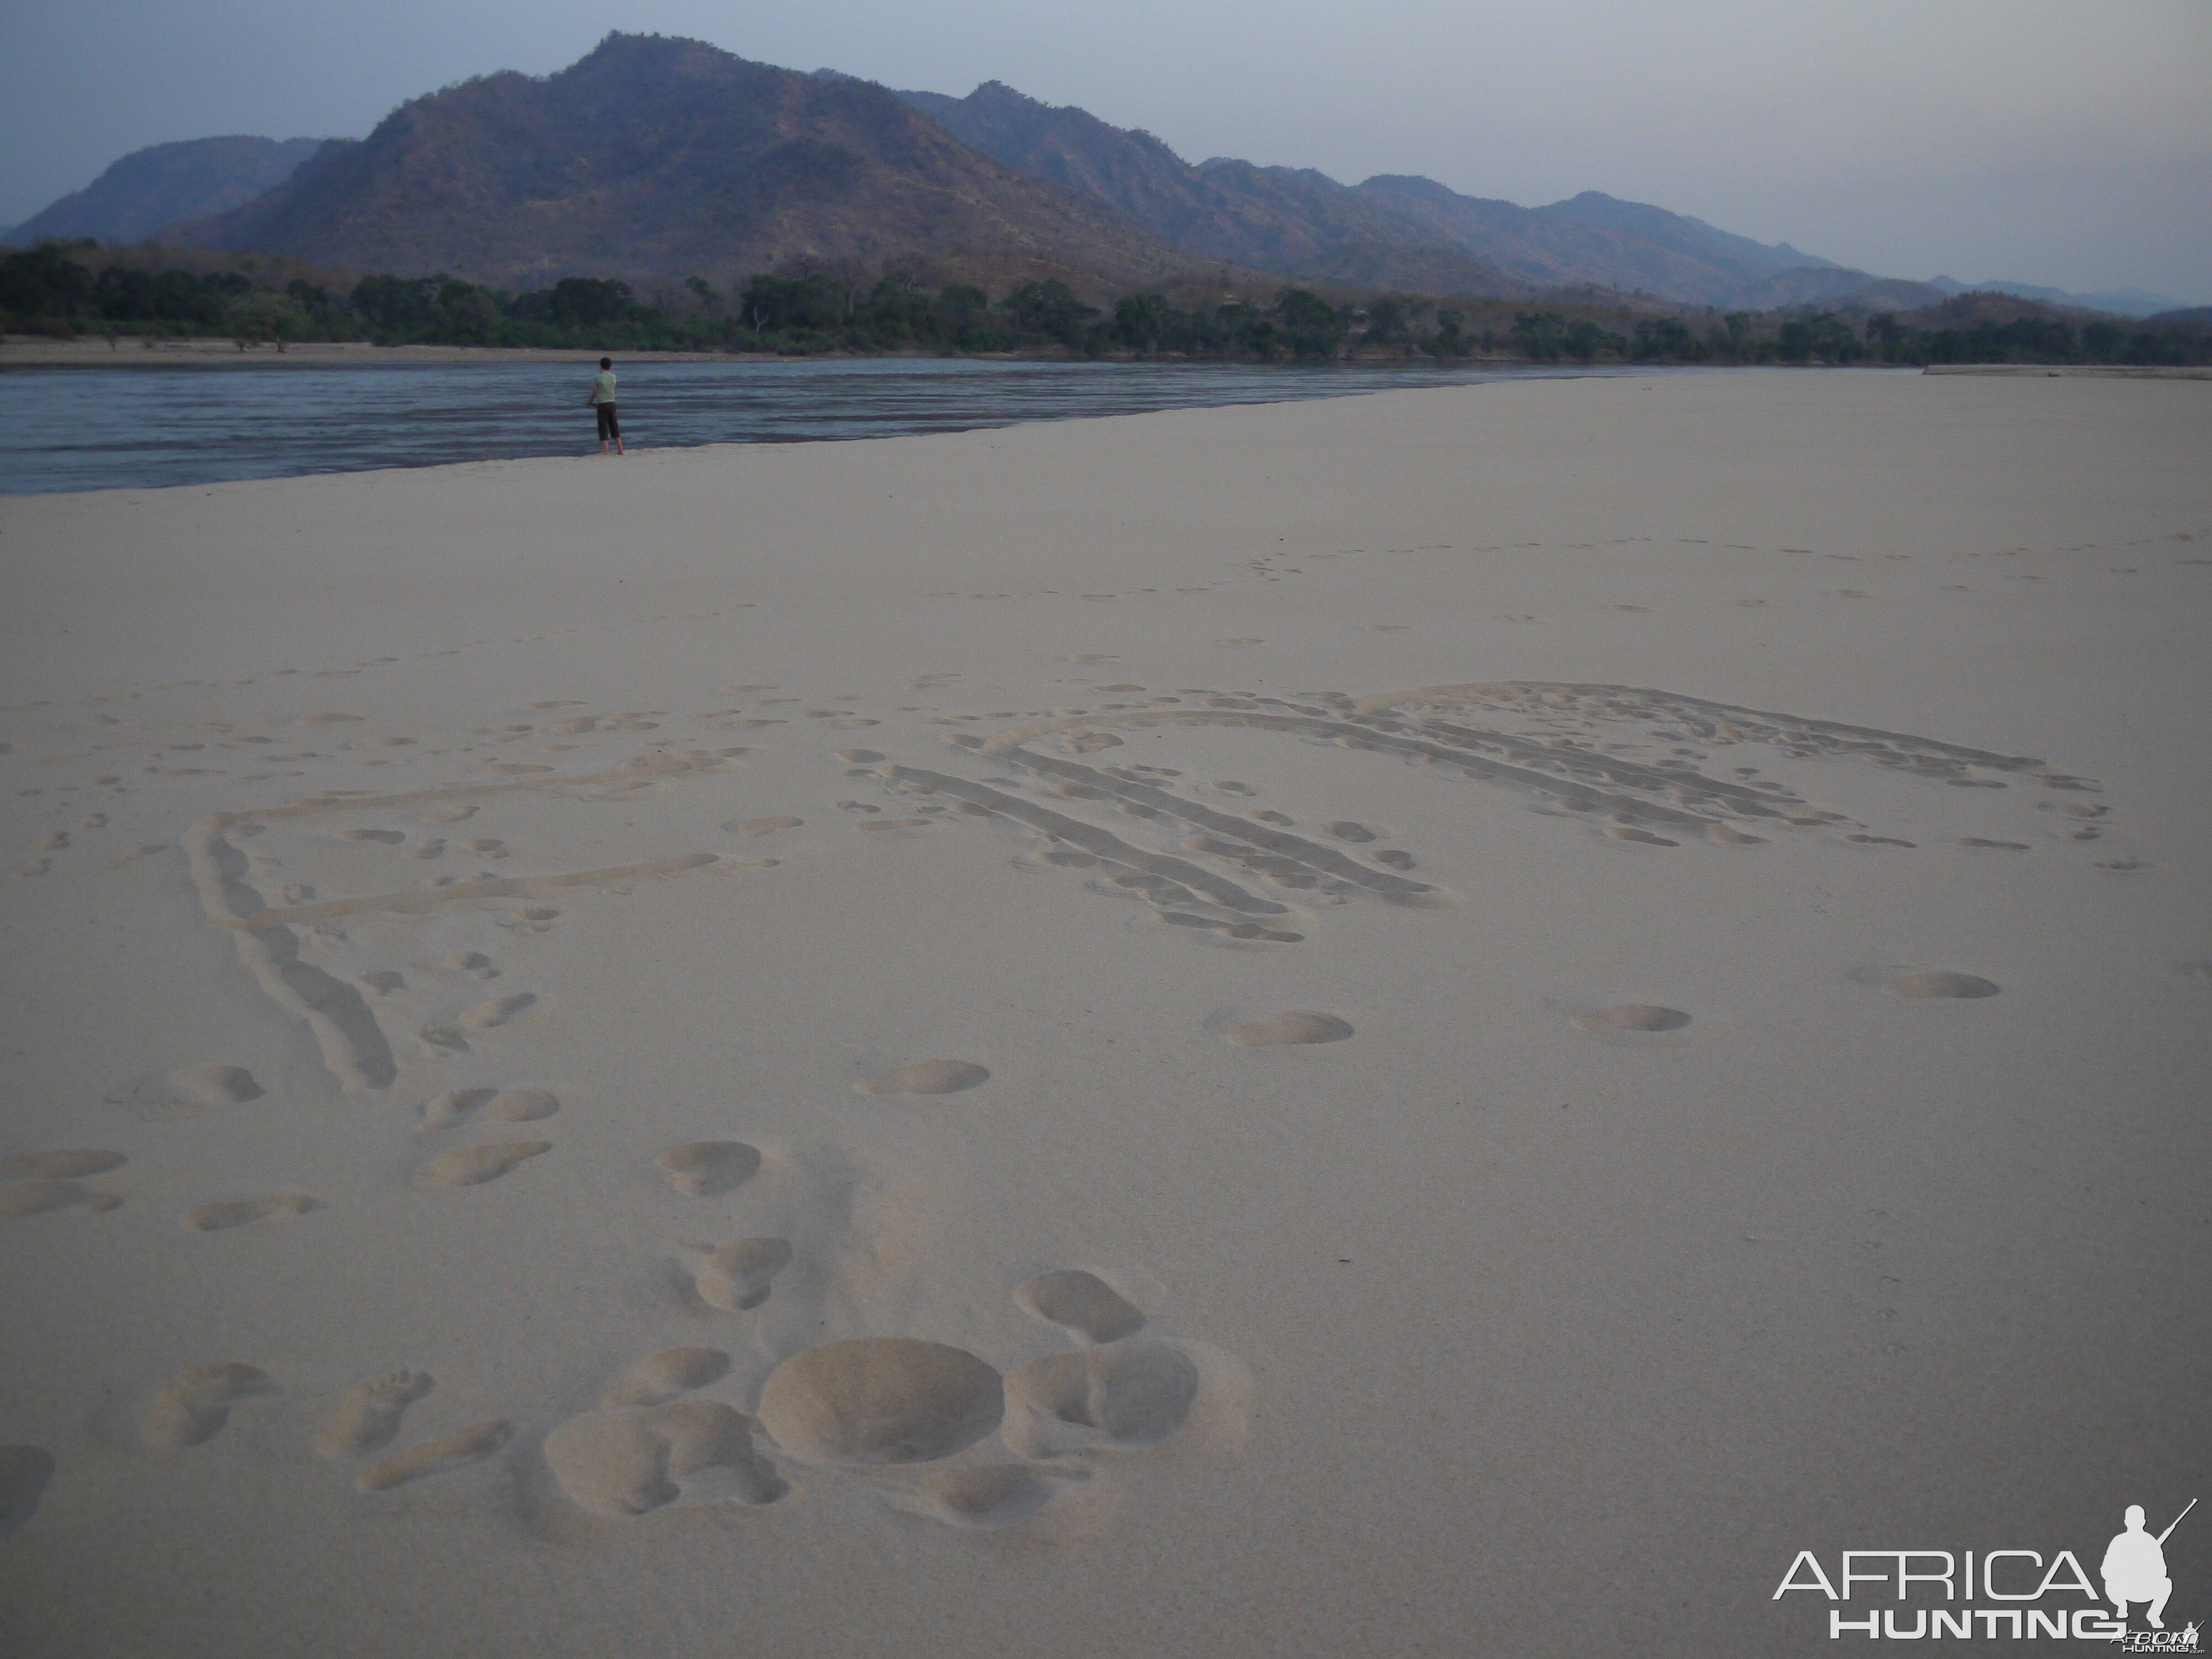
column 1301, row 224
column 654, row 156
column 154, row 187
column 1391, row 230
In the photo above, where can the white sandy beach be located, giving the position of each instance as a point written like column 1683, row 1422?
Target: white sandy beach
column 1602, row 763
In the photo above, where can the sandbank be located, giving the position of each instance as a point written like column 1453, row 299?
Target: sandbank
column 1450, row 1022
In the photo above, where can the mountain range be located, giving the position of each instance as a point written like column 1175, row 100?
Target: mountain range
column 658, row 158
column 151, row 189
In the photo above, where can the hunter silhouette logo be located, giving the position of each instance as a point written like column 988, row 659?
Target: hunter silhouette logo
column 2135, row 1567
column 1990, row 1595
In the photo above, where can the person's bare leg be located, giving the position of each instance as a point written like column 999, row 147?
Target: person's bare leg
column 2158, row 1606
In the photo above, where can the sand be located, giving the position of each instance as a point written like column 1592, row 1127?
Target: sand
column 1450, row 1022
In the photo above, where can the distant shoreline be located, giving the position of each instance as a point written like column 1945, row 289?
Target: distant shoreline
column 2091, row 371
column 33, row 351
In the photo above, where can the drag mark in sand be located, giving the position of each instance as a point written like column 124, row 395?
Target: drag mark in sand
column 353, row 1046
column 1549, row 742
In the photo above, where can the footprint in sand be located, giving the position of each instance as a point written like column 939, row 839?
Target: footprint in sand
column 509, row 1105
column 368, row 1417
column 1078, row 1301
column 659, row 1378
column 456, row 1450
column 1632, row 1016
column 327, row 720
column 1124, row 1396
column 496, row 1011
column 1926, row 982
column 244, row 1212
column 445, row 1111
column 762, row 826
column 24, row 1473
column 67, row 1164
column 1273, row 1030
column 1345, row 829
column 631, row 1462
column 387, row 837
column 475, row 964
column 28, row 1198
column 707, row 1168
column 926, row 1077
column 472, row 1166
column 869, row 1401
column 736, row 1277
column 194, row 1086
column 194, row 1406
column 990, row 1495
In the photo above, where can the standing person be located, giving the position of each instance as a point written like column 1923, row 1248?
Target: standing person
column 603, row 399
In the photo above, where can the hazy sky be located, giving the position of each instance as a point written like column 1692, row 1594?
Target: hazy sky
column 2054, row 140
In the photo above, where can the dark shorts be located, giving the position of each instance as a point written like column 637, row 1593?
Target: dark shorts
column 608, row 426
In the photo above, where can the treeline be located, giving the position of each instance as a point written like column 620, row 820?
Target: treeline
column 44, row 290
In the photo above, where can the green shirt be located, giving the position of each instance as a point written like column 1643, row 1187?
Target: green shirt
column 603, row 387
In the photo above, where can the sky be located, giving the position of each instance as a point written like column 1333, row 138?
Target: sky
column 2062, row 141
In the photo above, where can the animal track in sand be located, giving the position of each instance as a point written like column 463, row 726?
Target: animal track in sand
column 1123, row 1396
column 496, row 1011
column 1993, row 846
column 659, row 1378
column 1273, row 1030
column 475, row 964
column 736, row 1277
column 1078, row 1301
column 631, row 1462
column 926, row 1077
column 369, row 1416
column 239, row 1213
column 882, row 1400
column 212, row 1086
column 29, row 1198
column 195, row 1405
column 1345, row 829
column 707, row 1168
column 453, row 1452
column 1926, row 982
column 1633, row 1017
column 522, row 1105
column 472, row 1166
column 24, row 1473
column 447, row 1109
column 989, row 1495
column 67, row 1164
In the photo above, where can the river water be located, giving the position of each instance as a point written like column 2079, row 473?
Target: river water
column 142, row 427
